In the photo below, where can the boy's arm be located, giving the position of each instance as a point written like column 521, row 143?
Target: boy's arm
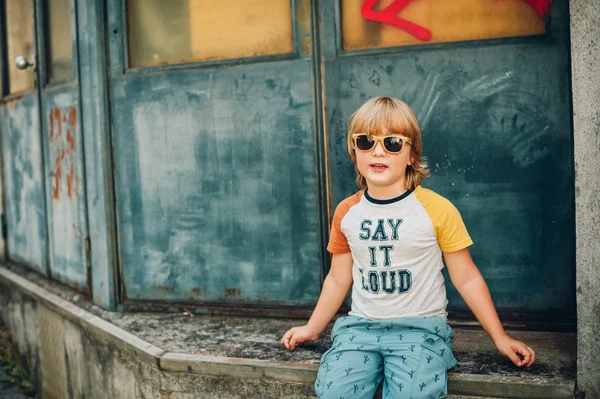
column 335, row 287
column 472, row 287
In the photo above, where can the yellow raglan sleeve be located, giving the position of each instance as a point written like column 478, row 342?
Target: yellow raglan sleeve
column 452, row 234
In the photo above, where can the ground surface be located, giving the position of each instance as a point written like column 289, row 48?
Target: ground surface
column 11, row 376
column 8, row 389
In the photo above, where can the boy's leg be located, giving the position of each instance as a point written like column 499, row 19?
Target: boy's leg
column 417, row 353
column 410, row 375
column 353, row 367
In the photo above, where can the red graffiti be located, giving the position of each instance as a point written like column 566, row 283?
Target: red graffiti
column 388, row 16
column 62, row 150
column 542, row 7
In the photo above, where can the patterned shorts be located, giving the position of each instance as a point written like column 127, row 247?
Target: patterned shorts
column 411, row 355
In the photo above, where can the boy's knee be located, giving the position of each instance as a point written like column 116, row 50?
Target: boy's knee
column 329, row 395
column 349, row 390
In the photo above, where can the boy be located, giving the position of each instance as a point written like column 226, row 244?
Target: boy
column 388, row 241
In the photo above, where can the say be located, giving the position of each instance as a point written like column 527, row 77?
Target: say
column 386, row 229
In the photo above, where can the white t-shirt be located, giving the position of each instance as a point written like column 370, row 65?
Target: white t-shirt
column 397, row 249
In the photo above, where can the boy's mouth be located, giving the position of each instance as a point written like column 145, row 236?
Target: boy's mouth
column 378, row 167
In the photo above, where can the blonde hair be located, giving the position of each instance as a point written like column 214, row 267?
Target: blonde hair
column 388, row 115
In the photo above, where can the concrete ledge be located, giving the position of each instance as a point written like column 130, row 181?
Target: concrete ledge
column 509, row 387
column 99, row 327
column 224, row 376
column 236, row 367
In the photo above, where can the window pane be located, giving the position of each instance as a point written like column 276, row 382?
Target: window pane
column 429, row 21
column 19, row 27
column 177, row 31
column 60, row 47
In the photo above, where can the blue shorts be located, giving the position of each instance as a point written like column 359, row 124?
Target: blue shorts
column 411, row 355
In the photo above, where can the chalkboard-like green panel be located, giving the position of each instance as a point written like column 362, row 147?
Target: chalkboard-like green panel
column 216, row 185
column 497, row 136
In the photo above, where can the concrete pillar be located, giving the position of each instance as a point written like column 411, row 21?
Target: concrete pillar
column 585, row 52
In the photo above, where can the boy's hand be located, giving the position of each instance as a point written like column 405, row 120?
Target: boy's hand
column 511, row 348
column 297, row 335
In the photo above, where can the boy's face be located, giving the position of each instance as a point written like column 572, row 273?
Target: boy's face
column 384, row 172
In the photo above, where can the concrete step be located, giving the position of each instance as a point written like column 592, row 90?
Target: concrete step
column 247, row 348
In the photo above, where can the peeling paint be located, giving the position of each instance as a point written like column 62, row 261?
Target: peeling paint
column 63, row 152
column 67, row 204
column 196, row 291
column 304, row 22
column 23, row 180
column 233, row 292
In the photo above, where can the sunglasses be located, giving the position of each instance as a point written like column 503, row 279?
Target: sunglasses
column 393, row 143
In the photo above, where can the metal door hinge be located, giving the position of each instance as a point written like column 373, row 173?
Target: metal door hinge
column 4, row 228
column 88, row 251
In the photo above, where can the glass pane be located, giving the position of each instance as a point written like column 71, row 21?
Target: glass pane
column 162, row 32
column 59, row 42
column 386, row 23
column 19, row 40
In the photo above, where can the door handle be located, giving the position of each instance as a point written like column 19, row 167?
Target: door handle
column 22, row 62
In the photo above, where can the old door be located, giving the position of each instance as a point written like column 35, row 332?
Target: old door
column 213, row 117
column 489, row 83
column 43, row 164
column 22, row 141
column 63, row 146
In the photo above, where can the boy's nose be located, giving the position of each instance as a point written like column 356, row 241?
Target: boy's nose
column 378, row 150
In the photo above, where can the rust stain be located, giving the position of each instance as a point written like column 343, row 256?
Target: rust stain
column 196, row 291
column 55, row 117
column 73, row 116
column 233, row 292
column 70, row 140
column 70, row 179
column 55, row 191
column 57, row 176
column 165, row 288
column 63, row 151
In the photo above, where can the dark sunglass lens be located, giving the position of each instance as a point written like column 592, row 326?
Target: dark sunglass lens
column 363, row 142
column 393, row 144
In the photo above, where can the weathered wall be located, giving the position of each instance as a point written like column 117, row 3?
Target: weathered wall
column 585, row 51
column 97, row 148
column 71, row 358
column 24, row 183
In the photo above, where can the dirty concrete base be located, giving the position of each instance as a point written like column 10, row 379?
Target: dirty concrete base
column 76, row 349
